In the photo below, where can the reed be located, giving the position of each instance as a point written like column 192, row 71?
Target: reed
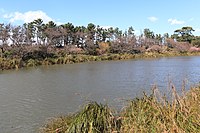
column 7, row 63
column 152, row 113
column 93, row 118
column 14, row 63
column 155, row 113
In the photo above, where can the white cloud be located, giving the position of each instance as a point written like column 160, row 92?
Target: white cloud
column 152, row 19
column 137, row 32
column 105, row 27
column 197, row 31
column 28, row 16
column 175, row 21
column 58, row 23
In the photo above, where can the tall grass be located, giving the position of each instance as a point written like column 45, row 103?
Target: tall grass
column 152, row 113
column 17, row 62
column 93, row 118
column 155, row 113
column 10, row 63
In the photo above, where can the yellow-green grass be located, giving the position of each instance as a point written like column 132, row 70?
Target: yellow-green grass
column 152, row 113
column 10, row 63
column 15, row 63
column 155, row 113
column 93, row 118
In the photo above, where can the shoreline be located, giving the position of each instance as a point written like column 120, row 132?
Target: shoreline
column 150, row 113
column 17, row 63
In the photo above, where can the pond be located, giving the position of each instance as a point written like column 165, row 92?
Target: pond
column 28, row 97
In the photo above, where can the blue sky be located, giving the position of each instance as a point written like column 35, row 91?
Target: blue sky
column 158, row 15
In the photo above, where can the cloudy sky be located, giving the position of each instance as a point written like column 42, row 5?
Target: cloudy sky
column 158, row 15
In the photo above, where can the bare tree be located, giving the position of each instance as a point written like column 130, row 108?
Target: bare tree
column 5, row 33
column 18, row 35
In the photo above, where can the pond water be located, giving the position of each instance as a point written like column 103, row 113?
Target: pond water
column 28, row 97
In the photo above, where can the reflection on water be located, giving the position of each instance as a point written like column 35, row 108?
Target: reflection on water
column 29, row 96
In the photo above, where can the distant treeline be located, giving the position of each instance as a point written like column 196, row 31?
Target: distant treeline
column 39, row 33
column 37, row 43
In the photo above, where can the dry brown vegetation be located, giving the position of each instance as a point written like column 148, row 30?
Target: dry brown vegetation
column 151, row 113
column 33, row 55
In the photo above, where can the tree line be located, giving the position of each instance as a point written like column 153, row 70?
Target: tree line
column 88, row 37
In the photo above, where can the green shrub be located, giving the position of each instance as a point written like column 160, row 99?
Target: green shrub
column 93, row 118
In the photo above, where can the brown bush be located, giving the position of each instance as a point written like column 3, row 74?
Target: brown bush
column 103, row 47
column 75, row 50
column 194, row 49
column 179, row 46
column 154, row 48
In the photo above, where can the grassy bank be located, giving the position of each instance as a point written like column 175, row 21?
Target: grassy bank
column 16, row 63
column 150, row 113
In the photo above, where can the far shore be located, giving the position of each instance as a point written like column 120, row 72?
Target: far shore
column 17, row 62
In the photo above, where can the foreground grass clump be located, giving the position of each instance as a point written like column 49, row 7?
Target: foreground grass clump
column 93, row 118
column 157, row 114
column 154, row 113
